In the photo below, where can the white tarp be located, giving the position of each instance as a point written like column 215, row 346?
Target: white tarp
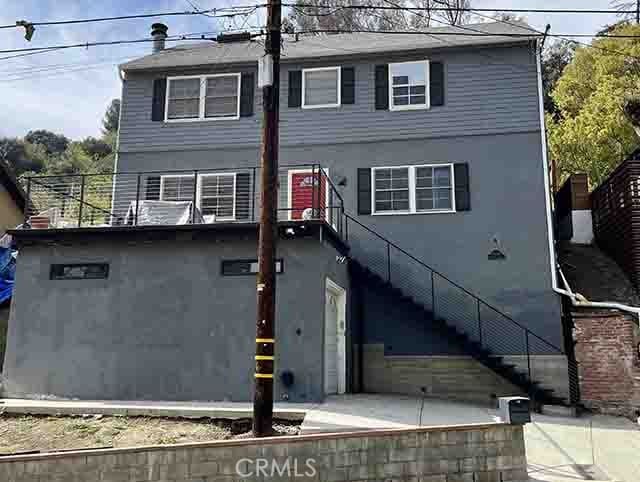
column 161, row 212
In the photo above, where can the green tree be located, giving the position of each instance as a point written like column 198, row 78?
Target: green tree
column 111, row 119
column 555, row 58
column 591, row 132
column 53, row 143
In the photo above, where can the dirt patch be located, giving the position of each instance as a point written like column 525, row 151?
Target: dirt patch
column 25, row 433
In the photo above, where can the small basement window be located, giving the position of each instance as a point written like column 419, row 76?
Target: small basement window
column 246, row 267
column 79, row 271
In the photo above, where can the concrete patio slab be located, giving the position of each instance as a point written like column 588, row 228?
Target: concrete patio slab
column 354, row 412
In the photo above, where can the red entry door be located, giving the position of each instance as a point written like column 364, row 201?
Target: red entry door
column 308, row 191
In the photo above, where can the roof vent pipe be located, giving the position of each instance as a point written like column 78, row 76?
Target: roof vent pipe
column 158, row 34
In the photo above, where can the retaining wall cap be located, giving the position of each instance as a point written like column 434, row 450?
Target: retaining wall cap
column 253, row 441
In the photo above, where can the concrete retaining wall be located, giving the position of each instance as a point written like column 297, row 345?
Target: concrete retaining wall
column 450, row 377
column 472, row 453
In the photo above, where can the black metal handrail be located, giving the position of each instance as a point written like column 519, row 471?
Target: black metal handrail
column 114, row 198
column 485, row 324
column 389, row 243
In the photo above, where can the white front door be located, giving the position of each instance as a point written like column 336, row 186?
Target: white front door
column 334, row 339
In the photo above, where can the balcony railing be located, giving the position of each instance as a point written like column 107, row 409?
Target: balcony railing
column 179, row 197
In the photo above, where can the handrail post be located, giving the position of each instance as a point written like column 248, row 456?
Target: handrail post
column 313, row 191
column 388, row 263
column 346, row 228
column 27, row 201
column 526, row 337
column 531, row 394
column 479, row 322
column 253, row 195
column 194, row 197
column 433, row 296
column 82, row 179
column 137, row 200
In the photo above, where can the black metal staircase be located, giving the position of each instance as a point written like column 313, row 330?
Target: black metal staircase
column 482, row 331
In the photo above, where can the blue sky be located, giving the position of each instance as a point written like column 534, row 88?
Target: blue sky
column 68, row 91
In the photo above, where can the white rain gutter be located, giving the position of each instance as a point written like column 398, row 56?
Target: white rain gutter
column 576, row 298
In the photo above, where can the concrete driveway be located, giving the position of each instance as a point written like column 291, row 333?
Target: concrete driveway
column 559, row 449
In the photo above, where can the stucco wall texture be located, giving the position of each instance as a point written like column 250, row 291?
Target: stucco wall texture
column 166, row 324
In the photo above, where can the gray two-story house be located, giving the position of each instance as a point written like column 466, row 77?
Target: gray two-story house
column 416, row 254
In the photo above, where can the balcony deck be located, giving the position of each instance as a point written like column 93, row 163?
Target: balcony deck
column 193, row 200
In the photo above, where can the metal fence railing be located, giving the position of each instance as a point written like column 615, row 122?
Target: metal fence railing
column 482, row 323
column 203, row 196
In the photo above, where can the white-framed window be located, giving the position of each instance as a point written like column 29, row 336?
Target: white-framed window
column 178, row 187
column 409, row 85
column 217, row 196
column 418, row 189
column 321, row 87
column 203, row 97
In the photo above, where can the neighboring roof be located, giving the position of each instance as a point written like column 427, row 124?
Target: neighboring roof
column 11, row 184
column 311, row 47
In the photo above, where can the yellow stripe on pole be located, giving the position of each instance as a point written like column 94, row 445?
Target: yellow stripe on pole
column 264, row 357
column 265, row 340
column 264, row 375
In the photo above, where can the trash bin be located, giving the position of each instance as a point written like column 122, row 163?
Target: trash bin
column 515, row 410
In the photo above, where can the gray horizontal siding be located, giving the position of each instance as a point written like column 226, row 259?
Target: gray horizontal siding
column 487, row 92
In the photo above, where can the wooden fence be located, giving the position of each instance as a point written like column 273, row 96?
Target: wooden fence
column 616, row 217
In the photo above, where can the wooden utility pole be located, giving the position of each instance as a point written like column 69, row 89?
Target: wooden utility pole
column 265, row 327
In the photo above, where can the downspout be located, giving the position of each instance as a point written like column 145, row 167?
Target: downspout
column 576, row 298
column 580, row 301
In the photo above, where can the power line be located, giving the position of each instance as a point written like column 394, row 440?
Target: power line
column 469, row 9
column 32, row 50
column 214, row 13
column 472, row 33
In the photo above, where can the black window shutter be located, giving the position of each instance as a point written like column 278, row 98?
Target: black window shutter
column 382, row 87
column 152, row 192
column 295, row 88
column 159, row 94
column 243, row 195
column 348, row 85
column 461, row 177
column 436, row 89
column 247, row 90
column 364, row 191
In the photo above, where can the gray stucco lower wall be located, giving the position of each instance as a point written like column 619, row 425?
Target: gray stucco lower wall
column 507, row 204
column 165, row 325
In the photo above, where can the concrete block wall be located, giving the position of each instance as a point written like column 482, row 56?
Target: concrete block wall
column 472, row 453
column 449, row 377
column 608, row 360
